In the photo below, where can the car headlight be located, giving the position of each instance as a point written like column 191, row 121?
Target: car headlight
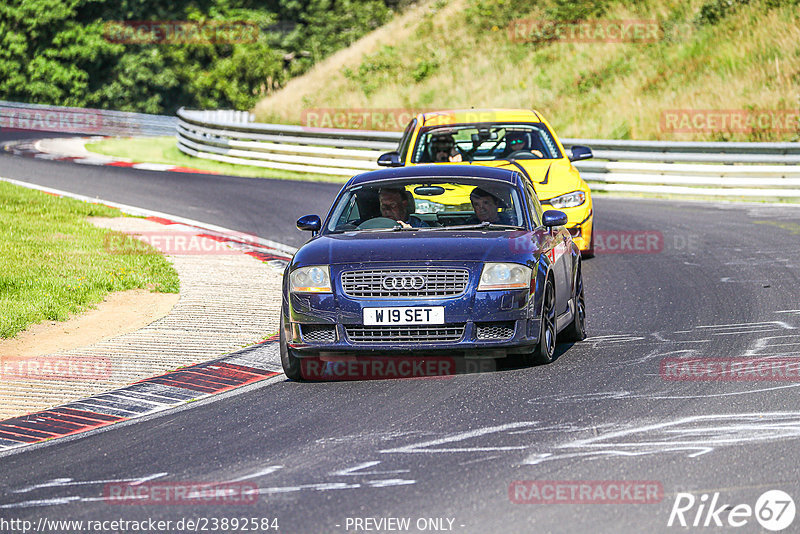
column 570, row 200
column 314, row 279
column 504, row 276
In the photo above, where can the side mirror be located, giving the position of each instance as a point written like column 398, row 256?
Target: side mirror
column 310, row 223
column 552, row 218
column 580, row 152
column 390, row 159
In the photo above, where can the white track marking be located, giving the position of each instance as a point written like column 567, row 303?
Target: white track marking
column 153, row 166
column 424, row 446
column 710, row 395
column 740, row 332
column 41, row 502
column 318, row 487
column 694, row 436
column 751, row 325
column 351, row 471
column 389, row 482
column 64, row 482
column 264, row 472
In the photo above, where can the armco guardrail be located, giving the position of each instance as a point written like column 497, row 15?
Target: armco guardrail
column 18, row 116
column 681, row 168
column 235, row 139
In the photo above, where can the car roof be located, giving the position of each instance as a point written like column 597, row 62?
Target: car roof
column 471, row 116
column 456, row 171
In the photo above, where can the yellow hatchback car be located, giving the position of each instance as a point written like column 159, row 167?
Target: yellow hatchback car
column 505, row 138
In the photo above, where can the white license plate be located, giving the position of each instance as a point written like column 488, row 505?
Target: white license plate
column 400, row 316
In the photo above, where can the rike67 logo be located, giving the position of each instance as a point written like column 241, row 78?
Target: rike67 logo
column 774, row 511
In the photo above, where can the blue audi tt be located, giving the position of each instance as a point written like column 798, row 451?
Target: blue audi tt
column 432, row 260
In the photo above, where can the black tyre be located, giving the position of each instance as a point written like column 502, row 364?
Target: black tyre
column 576, row 330
column 290, row 362
column 546, row 347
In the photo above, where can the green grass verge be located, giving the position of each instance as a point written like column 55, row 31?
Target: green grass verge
column 164, row 150
column 54, row 263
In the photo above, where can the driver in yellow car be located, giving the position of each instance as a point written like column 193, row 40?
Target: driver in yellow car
column 443, row 148
column 516, row 142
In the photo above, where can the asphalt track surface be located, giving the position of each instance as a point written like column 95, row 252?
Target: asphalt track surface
column 723, row 283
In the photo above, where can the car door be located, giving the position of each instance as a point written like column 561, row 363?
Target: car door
column 556, row 246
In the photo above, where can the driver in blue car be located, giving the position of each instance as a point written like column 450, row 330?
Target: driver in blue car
column 394, row 202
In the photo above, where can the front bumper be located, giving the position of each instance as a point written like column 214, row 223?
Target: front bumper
column 579, row 223
column 477, row 323
column 468, row 344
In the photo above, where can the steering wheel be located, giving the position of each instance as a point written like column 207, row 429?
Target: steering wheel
column 377, row 222
column 527, row 154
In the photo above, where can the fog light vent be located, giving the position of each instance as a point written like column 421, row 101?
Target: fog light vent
column 318, row 333
column 501, row 330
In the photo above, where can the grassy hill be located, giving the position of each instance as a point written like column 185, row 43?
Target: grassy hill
column 444, row 54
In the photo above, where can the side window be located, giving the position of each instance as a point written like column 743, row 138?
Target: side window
column 405, row 141
column 535, row 207
column 349, row 212
column 548, row 140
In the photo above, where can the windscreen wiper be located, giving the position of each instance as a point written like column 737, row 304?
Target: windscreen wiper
column 485, row 225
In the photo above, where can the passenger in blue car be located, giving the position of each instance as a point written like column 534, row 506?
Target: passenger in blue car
column 397, row 204
column 486, row 207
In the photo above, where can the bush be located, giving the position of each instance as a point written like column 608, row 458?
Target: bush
column 56, row 53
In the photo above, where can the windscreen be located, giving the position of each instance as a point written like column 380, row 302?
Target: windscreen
column 485, row 143
column 428, row 205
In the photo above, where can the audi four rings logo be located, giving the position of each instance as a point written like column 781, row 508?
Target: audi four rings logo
column 393, row 283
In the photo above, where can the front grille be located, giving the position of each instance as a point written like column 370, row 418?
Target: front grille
column 314, row 333
column 405, row 334
column 439, row 283
column 503, row 330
